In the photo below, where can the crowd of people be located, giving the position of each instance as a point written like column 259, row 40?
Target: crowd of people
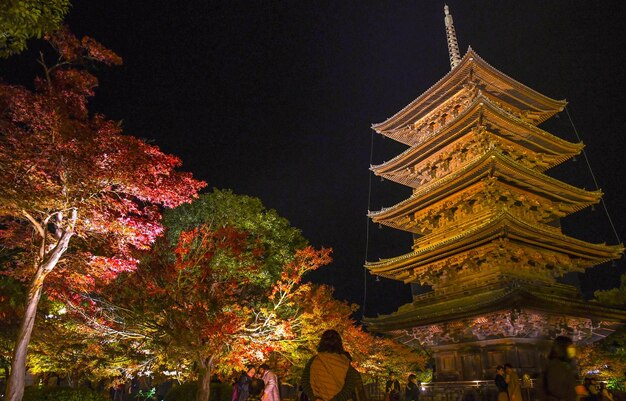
column 330, row 376
column 395, row 392
column 327, row 376
column 559, row 382
column 508, row 383
column 257, row 385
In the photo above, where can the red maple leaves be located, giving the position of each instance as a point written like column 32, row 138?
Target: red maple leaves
column 55, row 157
column 212, row 296
column 77, row 196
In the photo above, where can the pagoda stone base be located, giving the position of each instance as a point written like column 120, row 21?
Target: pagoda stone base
column 478, row 360
column 471, row 348
column 470, row 334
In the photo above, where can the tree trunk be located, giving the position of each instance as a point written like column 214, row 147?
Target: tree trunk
column 48, row 261
column 204, row 380
column 15, row 385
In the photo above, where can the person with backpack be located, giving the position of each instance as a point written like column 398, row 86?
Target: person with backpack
column 329, row 376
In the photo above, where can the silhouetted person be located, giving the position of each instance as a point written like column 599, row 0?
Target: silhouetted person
column 503, row 388
column 242, row 387
column 412, row 389
column 392, row 388
column 514, row 386
column 560, row 376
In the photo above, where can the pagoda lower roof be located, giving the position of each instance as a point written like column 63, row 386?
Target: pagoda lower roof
column 512, row 295
column 491, row 164
column 499, row 122
column 504, row 225
column 494, row 82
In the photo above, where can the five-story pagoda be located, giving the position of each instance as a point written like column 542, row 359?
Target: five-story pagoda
column 485, row 222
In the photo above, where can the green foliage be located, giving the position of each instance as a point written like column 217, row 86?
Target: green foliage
column 425, row 376
column 21, row 20
column 615, row 296
column 606, row 358
column 221, row 208
column 61, row 394
column 146, row 395
column 615, row 384
column 219, row 291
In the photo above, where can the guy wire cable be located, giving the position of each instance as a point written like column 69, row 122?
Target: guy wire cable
column 367, row 229
column 593, row 176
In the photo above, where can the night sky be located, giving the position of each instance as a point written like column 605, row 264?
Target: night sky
column 275, row 99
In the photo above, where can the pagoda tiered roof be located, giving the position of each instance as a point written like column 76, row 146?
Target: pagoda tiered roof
column 488, row 229
column 535, row 107
column 493, row 164
column 482, row 112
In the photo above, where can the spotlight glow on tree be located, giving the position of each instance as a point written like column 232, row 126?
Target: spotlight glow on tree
column 217, row 291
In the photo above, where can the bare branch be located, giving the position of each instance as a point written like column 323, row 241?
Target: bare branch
column 35, row 223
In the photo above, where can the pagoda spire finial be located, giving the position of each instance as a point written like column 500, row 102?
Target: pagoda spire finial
column 453, row 45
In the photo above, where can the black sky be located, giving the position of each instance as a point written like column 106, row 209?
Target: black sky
column 275, row 99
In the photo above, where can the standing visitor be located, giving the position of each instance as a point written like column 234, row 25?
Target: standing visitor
column 328, row 376
column 392, row 388
column 513, row 384
column 242, row 386
column 412, row 389
column 560, row 376
column 271, row 391
column 503, row 388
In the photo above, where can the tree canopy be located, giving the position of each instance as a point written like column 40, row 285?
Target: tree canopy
column 216, row 292
column 21, row 20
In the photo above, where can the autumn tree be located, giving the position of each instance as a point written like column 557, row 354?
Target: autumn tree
column 614, row 296
column 317, row 309
column 21, row 20
column 607, row 357
column 372, row 355
column 12, row 296
column 63, row 347
column 77, row 196
column 217, row 291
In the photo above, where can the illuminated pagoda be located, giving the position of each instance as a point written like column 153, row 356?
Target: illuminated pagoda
column 485, row 223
